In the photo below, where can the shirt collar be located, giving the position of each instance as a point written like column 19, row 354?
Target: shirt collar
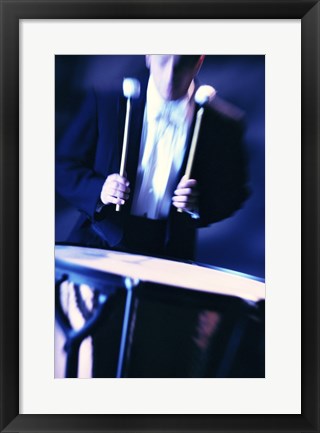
column 156, row 105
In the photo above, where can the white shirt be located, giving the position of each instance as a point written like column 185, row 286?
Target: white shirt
column 164, row 137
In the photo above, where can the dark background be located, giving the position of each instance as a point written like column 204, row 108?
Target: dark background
column 237, row 243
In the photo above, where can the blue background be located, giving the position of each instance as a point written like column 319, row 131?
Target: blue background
column 237, row 243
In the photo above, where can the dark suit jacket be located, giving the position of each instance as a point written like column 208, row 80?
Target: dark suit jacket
column 90, row 150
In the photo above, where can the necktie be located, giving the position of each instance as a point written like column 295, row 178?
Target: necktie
column 157, row 163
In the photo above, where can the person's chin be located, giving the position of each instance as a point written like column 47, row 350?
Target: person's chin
column 167, row 96
column 171, row 96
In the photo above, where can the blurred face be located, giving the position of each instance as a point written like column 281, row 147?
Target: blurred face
column 173, row 74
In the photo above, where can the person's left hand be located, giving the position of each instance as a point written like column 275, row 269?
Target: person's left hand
column 186, row 196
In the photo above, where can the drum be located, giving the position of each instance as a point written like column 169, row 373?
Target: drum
column 155, row 318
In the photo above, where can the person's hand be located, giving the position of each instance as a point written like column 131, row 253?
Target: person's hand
column 115, row 190
column 186, row 196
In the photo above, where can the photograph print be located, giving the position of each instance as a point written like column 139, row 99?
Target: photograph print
column 160, row 216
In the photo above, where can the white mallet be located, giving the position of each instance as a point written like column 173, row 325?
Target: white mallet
column 131, row 90
column 203, row 95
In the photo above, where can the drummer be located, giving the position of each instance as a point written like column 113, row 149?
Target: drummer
column 161, row 128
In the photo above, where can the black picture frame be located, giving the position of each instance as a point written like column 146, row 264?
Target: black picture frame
column 14, row 10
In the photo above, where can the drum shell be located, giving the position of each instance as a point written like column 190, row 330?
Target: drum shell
column 176, row 333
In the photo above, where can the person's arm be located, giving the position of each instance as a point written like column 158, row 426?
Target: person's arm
column 222, row 174
column 75, row 177
column 218, row 186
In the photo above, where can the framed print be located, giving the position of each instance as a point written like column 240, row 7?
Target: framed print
column 41, row 39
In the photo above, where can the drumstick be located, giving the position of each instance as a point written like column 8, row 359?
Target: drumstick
column 203, row 95
column 131, row 89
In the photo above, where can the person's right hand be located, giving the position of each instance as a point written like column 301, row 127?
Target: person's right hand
column 115, row 190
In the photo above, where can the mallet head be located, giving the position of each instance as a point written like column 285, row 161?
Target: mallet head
column 204, row 94
column 131, row 88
